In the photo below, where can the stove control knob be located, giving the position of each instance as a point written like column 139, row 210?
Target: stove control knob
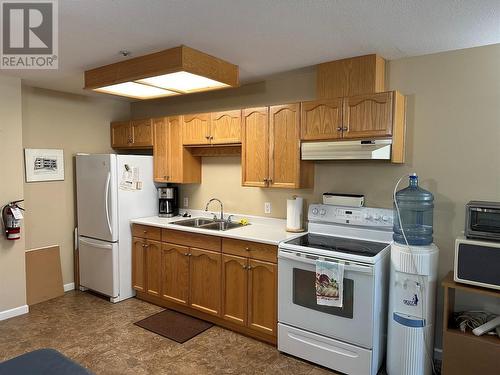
column 386, row 219
column 314, row 211
column 368, row 217
column 322, row 212
column 376, row 217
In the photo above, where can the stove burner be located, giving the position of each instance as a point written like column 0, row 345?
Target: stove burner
column 339, row 244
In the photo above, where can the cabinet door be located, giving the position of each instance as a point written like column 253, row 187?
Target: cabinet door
column 226, row 127
column 138, row 264
column 284, row 159
column 153, row 274
column 368, row 116
column 255, row 147
column 142, row 133
column 321, row 119
column 176, row 151
column 196, row 129
column 262, row 297
column 175, row 273
column 205, row 281
column 234, row 289
column 161, row 158
column 120, row 134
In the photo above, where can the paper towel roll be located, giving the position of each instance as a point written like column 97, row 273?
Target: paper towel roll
column 294, row 208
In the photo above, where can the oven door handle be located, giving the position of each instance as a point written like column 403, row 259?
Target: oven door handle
column 311, row 259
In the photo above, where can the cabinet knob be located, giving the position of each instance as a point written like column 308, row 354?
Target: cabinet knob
column 339, row 128
column 345, row 128
column 207, row 137
column 186, row 254
column 265, row 180
column 189, row 254
column 270, row 180
column 244, row 267
column 249, row 267
column 247, row 248
column 211, row 137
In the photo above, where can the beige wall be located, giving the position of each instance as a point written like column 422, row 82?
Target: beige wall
column 12, row 272
column 453, row 141
column 75, row 124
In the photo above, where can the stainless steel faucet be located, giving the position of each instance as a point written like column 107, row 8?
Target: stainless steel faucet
column 221, row 207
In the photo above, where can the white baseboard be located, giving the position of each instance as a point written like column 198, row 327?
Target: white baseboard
column 68, row 287
column 6, row 314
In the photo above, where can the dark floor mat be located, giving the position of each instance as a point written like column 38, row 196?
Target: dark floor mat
column 174, row 325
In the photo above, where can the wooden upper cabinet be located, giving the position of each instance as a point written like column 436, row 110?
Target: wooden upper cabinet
column 138, row 264
column 286, row 169
column 132, row 134
column 196, row 129
column 172, row 162
column 368, row 115
column 262, row 302
column 205, row 281
column 321, row 119
column 120, row 134
column 175, row 273
column 255, row 147
column 142, row 133
column 225, row 127
column 234, row 289
column 351, row 76
column 161, row 147
column 153, row 262
column 284, row 155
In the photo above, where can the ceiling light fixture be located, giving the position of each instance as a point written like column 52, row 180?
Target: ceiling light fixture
column 176, row 71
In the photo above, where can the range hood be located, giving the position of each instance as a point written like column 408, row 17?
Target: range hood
column 379, row 149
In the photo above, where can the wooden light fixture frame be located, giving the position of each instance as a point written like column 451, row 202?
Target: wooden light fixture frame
column 177, row 59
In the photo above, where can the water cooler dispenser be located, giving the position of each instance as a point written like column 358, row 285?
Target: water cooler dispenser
column 413, row 277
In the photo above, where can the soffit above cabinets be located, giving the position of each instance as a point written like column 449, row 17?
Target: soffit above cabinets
column 176, row 71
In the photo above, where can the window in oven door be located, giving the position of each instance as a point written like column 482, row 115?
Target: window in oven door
column 297, row 306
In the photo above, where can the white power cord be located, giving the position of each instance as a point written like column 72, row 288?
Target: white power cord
column 428, row 350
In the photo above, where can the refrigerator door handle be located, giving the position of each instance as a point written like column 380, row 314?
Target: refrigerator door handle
column 96, row 244
column 106, row 200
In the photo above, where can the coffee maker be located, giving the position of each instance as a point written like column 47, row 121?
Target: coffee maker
column 167, row 202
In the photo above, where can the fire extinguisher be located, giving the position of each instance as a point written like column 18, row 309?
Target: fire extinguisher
column 11, row 218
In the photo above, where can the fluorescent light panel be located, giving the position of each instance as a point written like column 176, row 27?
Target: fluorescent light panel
column 183, row 82
column 136, row 90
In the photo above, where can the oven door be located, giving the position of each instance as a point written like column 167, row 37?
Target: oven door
column 297, row 307
column 483, row 222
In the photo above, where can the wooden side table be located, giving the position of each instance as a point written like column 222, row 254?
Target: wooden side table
column 465, row 353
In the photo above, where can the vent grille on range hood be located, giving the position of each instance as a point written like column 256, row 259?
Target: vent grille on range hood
column 379, row 149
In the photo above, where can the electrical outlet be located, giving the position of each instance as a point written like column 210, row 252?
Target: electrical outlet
column 267, row 207
column 186, row 202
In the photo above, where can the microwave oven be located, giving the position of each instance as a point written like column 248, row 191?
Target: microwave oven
column 482, row 220
column 477, row 263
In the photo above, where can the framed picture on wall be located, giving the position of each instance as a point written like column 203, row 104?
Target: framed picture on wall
column 44, row 164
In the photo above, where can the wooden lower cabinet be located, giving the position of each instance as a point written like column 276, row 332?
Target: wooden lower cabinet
column 234, row 289
column 234, row 284
column 175, row 273
column 153, row 262
column 138, row 264
column 262, row 301
column 205, row 281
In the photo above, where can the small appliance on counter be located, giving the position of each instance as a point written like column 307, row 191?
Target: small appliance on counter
column 168, row 202
column 294, row 213
column 482, row 220
column 349, row 200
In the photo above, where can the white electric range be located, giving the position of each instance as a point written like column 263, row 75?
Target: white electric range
column 351, row 338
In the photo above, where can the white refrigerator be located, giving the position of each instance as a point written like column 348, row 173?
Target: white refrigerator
column 111, row 189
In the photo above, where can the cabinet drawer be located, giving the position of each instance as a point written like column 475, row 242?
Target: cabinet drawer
column 253, row 250
column 201, row 241
column 145, row 231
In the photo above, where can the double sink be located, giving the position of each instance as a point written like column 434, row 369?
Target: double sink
column 212, row 224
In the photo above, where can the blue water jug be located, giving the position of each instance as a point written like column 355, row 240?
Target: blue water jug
column 416, row 207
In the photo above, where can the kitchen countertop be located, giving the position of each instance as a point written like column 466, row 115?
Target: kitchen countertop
column 261, row 229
